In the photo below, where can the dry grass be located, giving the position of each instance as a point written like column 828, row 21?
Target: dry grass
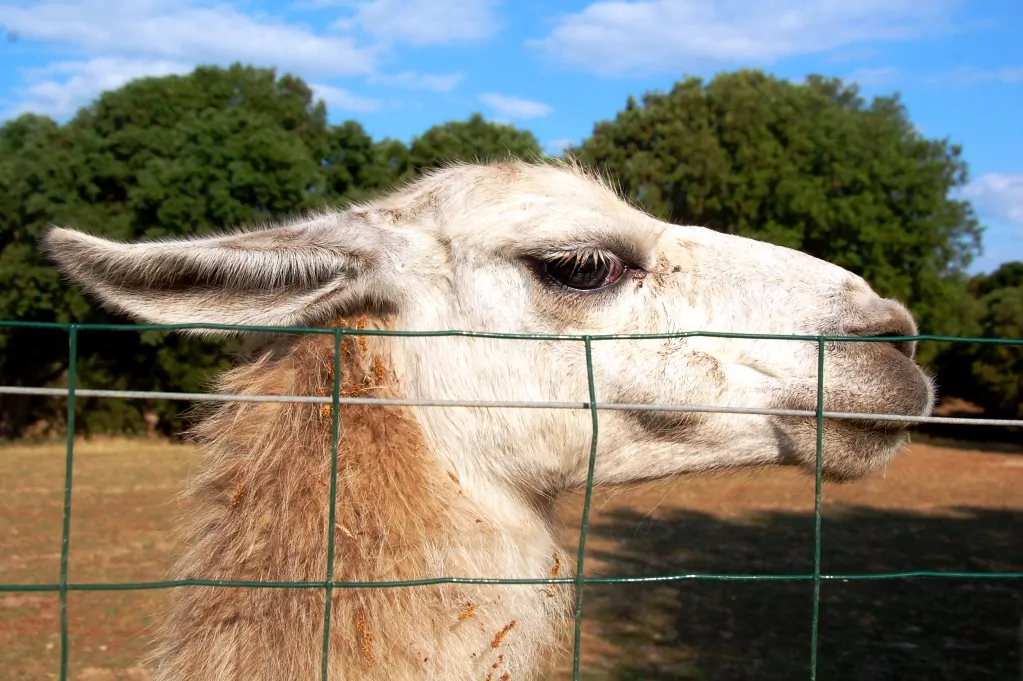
column 122, row 510
column 935, row 508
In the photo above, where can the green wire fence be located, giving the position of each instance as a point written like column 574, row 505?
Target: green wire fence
column 328, row 585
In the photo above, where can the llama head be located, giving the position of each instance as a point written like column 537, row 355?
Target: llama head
column 515, row 247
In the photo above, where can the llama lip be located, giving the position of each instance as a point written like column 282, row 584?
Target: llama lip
column 888, row 382
column 879, row 426
column 855, row 447
column 916, row 404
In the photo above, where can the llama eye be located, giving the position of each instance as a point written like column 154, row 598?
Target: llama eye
column 585, row 271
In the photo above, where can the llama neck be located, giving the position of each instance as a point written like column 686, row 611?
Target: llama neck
column 260, row 513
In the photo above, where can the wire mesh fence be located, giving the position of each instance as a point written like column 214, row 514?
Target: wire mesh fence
column 64, row 586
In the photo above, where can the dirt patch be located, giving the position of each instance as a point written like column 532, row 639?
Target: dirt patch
column 934, row 509
column 106, row 674
column 123, row 503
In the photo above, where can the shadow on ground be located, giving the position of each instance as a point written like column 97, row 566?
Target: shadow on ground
column 924, row 629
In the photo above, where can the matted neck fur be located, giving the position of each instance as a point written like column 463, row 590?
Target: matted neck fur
column 469, row 492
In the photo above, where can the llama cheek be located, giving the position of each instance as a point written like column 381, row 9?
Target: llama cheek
column 709, row 373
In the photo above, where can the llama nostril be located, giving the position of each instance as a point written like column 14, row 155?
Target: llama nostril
column 884, row 319
column 908, row 348
column 890, row 319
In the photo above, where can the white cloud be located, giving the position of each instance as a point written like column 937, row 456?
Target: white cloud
column 185, row 30
column 339, row 99
column 423, row 22
column 120, row 41
column 110, row 42
column 421, row 81
column 614, row 37
column 997, row 195
column 514, row 107
column 59, row 89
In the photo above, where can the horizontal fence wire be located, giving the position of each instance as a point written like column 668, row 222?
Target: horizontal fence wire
column 489, row 404
column 817, row 577
column 514, row 581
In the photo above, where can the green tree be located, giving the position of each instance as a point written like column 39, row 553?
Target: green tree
column 998, row 369
column 990, row 375
column 810, row 166
column 159, row 157
column 36, row 161
column 358, row 168
column 1007, row 275
column 471, row 140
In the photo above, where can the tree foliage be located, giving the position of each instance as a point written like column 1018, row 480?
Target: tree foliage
column 998, row 369
column 990, row 375
column 472, row 140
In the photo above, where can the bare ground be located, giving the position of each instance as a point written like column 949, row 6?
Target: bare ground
column 935, row 508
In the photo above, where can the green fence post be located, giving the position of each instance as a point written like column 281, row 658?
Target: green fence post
column 332, row 517
column 65, row 536
column 815, row 621
column 584, row 529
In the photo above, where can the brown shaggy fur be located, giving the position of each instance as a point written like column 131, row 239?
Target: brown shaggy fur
column 259, row 511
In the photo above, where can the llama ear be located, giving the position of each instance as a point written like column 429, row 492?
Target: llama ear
column 294, row 275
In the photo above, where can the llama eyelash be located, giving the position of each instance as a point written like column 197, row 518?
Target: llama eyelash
column 581, row 257
column 585, row 271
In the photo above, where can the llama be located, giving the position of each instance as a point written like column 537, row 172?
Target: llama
column 427, row 492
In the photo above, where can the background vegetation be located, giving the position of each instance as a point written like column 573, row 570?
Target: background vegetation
column 811, row 166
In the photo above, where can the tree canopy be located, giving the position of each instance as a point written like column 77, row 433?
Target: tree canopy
column 990, row 375
column 472, row 140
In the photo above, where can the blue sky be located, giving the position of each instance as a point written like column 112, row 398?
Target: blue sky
column 554, row 67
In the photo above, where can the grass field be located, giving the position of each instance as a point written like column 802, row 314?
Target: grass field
column 935, row 508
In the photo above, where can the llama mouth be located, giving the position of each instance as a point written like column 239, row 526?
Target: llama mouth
column 905, row 419
column 853, row 447
column 888, row 386
column 850, row 450
column 873, row 425
column 842, row 409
